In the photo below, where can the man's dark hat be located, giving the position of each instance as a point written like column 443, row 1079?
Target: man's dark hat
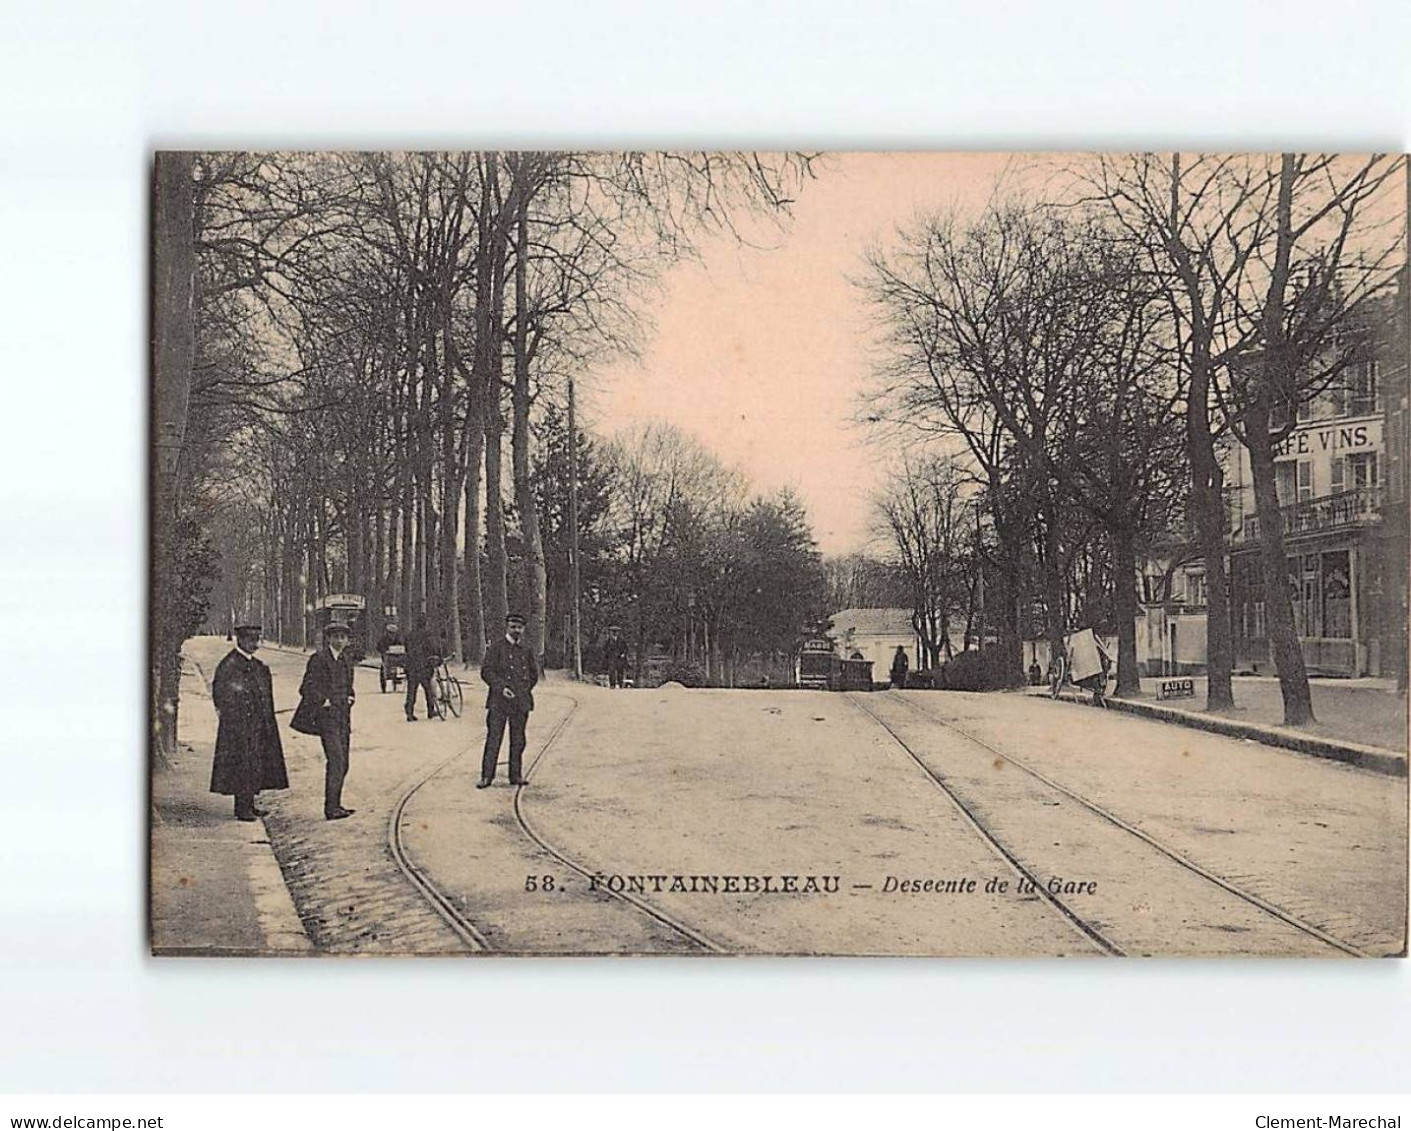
column 249, row 626
column 515, row 618
column 336, row 628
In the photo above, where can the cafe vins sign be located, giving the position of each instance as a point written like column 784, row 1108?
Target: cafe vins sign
column 1332, row 439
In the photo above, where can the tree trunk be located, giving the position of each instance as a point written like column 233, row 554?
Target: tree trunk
column 1278, row 605
column 407, row 505
column 1055, row 619
column 1208, row 509
column 450, row 504
column 535, row 574
column 497, row 566
column 1124, row 604
column 1274, row 373
column 496, row 587
column 473, row 644
column 173, row 352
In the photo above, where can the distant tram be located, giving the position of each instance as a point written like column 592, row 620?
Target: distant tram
column 347, row 609
column 821, row 669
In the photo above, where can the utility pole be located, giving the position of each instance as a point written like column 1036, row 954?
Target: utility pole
column 574, row 580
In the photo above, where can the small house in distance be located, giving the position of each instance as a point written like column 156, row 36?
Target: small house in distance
column 875, row 633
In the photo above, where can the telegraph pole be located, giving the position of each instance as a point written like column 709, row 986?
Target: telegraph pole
column 574, row 581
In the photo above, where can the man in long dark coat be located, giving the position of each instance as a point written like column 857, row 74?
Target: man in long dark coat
column 249, row 755
column 511, row 671
column 423, row 658
column 327, row 694
column 615, row 653
column 900, row 666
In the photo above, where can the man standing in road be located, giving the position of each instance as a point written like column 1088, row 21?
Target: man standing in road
column 327, row 697
column 423, row 657
column 249, row 755
column 615, row 653
column 511, row 671
column 900, row 666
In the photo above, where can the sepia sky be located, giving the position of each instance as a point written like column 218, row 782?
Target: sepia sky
column 762, row 353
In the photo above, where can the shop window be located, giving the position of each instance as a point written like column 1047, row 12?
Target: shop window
column 1337, row 595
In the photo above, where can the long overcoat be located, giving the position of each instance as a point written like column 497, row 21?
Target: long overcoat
column 249, row 753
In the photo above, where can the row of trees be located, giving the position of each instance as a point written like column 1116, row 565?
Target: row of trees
column 676, row 550
column 1080, row 361
column 369, row 341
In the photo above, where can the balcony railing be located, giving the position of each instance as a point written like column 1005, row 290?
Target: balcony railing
column 1357, row 507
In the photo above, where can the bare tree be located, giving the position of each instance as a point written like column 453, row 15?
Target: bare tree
column 1321, row 250
column 926, row 516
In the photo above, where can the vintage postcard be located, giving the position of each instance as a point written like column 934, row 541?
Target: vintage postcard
column 684, row 553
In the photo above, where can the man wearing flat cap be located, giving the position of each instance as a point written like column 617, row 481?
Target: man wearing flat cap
column 511, row 671
column 327, row 698
column 249, row 755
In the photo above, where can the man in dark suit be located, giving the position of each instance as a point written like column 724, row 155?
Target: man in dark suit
column 511, row 671
column 249, row 755
column 423, row 658
column 900, row 666
column 327, row 692
column 615, row 652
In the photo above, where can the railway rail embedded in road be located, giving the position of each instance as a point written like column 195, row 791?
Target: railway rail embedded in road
column 473, row 938
column 1165, row 849
column 1093, row 936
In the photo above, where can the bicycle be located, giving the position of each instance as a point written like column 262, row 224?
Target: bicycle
column 450, row 696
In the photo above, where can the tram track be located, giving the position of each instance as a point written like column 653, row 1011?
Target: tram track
column 1080, row 925
column 1166, row 850
column 662, row 917
column 446, row 908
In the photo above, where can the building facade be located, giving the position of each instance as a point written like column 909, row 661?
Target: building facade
column 1334, row 503
column 1341, row 477
column 875, row 634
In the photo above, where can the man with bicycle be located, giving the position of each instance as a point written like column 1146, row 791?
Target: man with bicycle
column 510, row 671
column 423, row 658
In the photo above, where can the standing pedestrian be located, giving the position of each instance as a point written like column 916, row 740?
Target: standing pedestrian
column 326, row 698
column 423, row 658
column 249, row 755
column 900, row 666
column 615, row 653
column 511, row 671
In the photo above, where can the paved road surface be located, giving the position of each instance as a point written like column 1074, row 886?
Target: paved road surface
column 803, row 822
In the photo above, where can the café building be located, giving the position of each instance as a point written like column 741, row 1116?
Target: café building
column 1331, row 480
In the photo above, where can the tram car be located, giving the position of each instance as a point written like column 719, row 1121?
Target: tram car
column 822, row 669
column 347, row 609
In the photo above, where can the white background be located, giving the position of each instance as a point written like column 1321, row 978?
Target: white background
column 88, row 91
